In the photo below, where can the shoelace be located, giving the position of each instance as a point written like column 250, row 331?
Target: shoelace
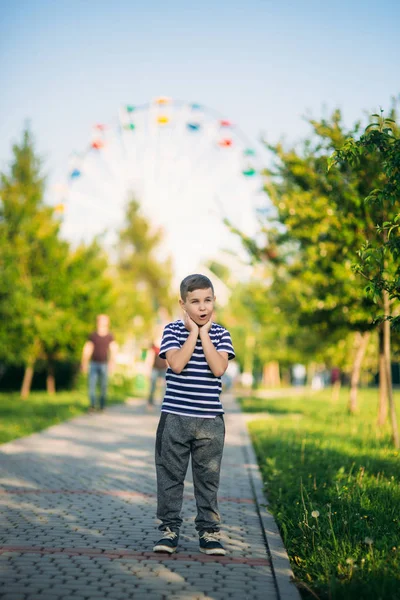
column 171, row 535
column 210, row 536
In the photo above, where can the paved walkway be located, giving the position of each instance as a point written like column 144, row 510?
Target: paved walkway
column 77, row 518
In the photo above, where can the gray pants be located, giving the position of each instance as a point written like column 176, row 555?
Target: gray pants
column 178, row 437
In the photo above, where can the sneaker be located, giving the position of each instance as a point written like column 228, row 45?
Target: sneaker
column 210, row 544
column 168, row 542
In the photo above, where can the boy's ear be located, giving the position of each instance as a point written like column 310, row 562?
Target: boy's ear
column 181, row 302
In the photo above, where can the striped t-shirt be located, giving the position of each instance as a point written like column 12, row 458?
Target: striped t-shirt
column 195, row 391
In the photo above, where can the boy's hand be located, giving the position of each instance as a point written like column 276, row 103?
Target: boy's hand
column 190, row 324
column 206, row 327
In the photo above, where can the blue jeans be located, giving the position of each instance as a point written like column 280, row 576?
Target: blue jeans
column 155, row 375
column 98, row 372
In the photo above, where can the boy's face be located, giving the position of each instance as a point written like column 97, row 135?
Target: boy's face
column 199, row 305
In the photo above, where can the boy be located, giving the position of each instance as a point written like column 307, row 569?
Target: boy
column 192, row 423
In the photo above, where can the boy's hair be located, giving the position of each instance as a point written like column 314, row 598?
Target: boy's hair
column 194, row 282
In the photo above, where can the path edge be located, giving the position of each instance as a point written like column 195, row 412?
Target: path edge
column 282, row 571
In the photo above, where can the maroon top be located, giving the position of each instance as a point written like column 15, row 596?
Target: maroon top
column 101, row 345
column 158, row 363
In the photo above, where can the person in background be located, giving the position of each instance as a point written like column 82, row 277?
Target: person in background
column 158, row 369
column 99, row 353
column 229, row 378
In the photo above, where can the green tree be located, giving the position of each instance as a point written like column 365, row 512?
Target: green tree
column 317, row 224
column 44, row 305
column 143, row 274
column 80, row 289
column 20, row 210
column 378, row 257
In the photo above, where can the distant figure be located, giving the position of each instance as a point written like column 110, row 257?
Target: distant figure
column 158, row 370
column 317, row 382
column 230, row 376
column 299, row 374
column 99, row 353
column 335, row 375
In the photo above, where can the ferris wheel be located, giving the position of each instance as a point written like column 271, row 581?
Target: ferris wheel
column 189, row 168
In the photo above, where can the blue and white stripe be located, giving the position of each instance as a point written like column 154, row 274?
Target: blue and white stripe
column 195, row 391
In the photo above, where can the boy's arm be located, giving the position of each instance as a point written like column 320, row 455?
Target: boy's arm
column 178, row 359
column 217, row 361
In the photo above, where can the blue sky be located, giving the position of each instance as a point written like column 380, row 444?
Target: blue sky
column 66, row 65
column 264, row 65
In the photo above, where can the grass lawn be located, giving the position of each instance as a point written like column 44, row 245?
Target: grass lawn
column 23, row 417
column 333, row 483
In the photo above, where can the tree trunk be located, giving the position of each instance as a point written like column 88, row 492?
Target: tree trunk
column 247, row 375
column 50, row 379
column 27, row 381
column 311, row 368
column 362, row 343
column 336, row 390
column 383, row 399
column 388, row 368
column 271, row 376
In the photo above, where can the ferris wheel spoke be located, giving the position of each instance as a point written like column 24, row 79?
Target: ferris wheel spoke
column 184, row 163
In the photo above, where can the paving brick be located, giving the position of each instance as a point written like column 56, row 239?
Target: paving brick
column 42, row 596
column 89, row 485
